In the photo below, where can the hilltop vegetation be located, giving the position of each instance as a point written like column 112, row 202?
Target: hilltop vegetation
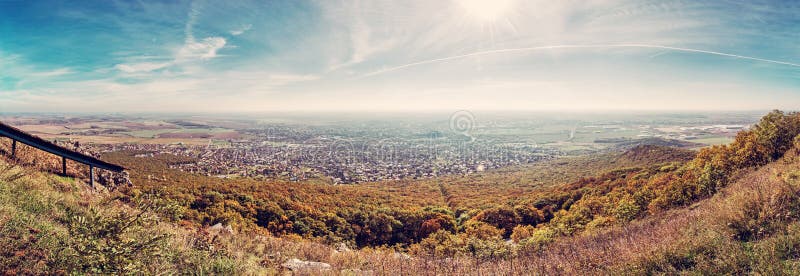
column 728, row 209
column 485, row 190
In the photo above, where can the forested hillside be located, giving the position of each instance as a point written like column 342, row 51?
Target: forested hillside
column 371, row 214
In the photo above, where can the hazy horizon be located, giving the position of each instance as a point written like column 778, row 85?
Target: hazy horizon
column 398, row 56
column 625, row 112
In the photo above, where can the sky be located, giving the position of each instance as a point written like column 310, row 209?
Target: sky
column 405, row 55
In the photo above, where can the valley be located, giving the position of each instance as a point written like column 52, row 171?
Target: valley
column 509, row 212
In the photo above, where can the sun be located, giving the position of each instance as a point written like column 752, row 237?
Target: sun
column 485, row 10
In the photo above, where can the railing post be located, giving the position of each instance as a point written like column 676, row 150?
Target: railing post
column 13, row 148
column 64, row 165
column 91, row 176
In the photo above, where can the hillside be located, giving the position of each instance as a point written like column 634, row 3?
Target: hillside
column 749, row 227
column 57, row 225
column 481, row 191
column 650, row 209
column 35, row 231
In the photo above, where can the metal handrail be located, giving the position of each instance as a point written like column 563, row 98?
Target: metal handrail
column 39, row 143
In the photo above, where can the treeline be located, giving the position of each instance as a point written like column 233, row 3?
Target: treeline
column 358, row 215
column 365, row 226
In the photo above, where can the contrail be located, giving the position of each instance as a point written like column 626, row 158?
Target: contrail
column 527, row 49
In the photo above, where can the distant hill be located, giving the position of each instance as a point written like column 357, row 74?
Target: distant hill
column 653, row 154
column 630, row 143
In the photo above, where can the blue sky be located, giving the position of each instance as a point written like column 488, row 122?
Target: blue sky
column 262, row 56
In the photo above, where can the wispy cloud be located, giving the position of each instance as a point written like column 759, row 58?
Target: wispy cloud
column 204, row 49
column 194, row 12
column 17, row 73
column 248, row 90
column 242, row 29
column 52, row 73
column 557, row 47
column 141, row 67
column 191, row 50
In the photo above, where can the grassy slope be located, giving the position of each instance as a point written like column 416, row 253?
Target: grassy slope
column 58, row 225
column 54, row 225
column 749, row 227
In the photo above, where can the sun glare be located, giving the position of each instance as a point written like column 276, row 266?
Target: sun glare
column 485, row 10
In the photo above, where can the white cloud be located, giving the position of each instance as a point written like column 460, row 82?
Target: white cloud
column 201, row 90
column 368, row 28
column 141, row 67
column 242, row 29
column 205, row 49
column 52, row 73
column 190, row 51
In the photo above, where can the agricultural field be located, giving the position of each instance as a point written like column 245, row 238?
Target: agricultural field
column 88, row 129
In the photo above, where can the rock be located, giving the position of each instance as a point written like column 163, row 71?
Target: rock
column 356, row 272
column 298, row 265
column 342, row 247
column 403, row 256
column 218, row 229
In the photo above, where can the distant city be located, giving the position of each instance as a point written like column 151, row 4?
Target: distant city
column 342, row 152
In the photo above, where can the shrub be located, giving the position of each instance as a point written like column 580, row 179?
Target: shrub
column 110, row 243
column 487, row 249
column 482, row 230
column 441, row 244
column 528, row 215
column 776, row 132
column 503, row 218
column 538, row 239
column 574, row 220
column 626, row 209
column 796, row 142
column 765, row 212
column 522, row 232
column 600, row 222
column 771, row 255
